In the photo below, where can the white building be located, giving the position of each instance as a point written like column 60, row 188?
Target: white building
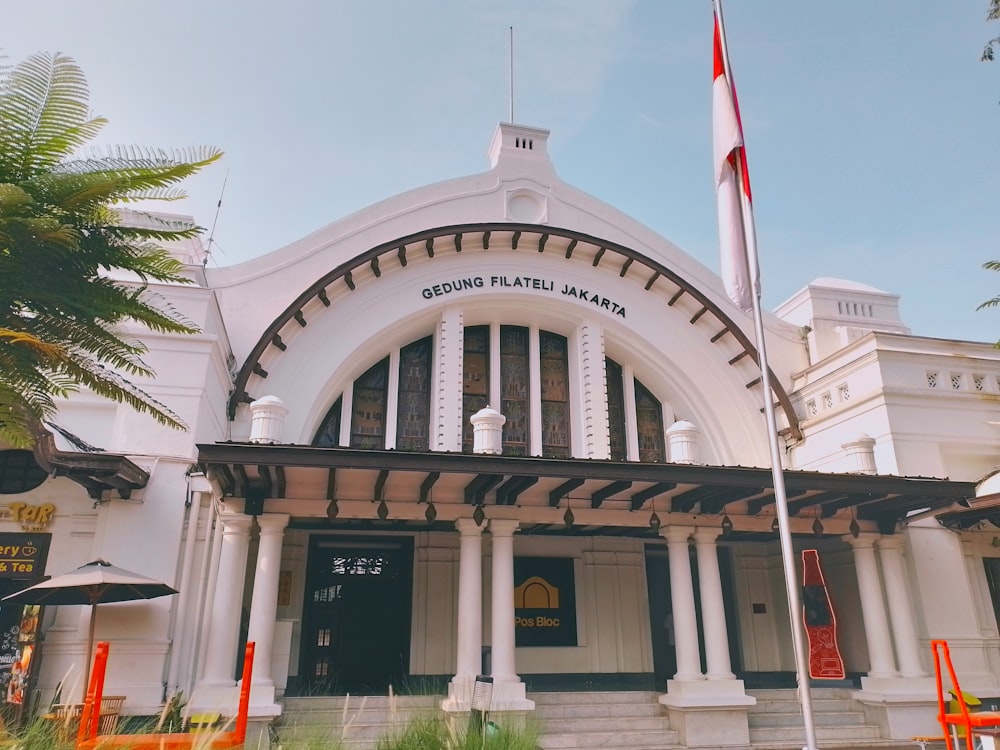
column 615, row 532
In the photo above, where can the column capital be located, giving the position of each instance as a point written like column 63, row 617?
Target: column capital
column 863, row 540
column 235, row 522
column 676, row 533
column 893, row 541
column 503, row 527
column 469, row 527
column 272, row 523
column 706, row 534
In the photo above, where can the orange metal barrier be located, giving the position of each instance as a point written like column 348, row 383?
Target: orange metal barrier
column 966, row 719
column 89, row 739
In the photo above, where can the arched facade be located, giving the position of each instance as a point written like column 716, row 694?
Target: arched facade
column 615, row 530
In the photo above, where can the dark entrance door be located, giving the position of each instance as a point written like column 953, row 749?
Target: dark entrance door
column 661, row 622
column 356, row 616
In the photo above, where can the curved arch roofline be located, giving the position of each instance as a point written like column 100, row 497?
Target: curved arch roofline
column 521, row 235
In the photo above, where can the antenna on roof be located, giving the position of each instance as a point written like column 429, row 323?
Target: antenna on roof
column 215, row 221
column 511, row 56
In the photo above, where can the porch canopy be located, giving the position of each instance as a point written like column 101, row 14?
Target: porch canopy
column 380, row 489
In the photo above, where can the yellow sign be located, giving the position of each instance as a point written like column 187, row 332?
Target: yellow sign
column 536, row 593
column 31, row 517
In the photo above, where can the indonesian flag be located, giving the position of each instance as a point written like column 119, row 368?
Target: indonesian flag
column 737, row 238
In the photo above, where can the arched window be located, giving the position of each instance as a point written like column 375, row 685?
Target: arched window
column 328, row 435
column 475, row 378
column 648, row 417
column 368, row 413
column 554, row 378
column 514, row 377
column 616, row 410
column 649, row 424
column 532, row 390
column 413, row 419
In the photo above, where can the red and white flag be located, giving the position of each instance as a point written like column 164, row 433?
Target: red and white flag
column 737, row 237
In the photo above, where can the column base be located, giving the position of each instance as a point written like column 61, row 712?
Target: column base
column 459, row 698
column 705, row 694
column 207, row 697
column 262, row 698
column 902, row 707
column 709, row 713
column 510, row 695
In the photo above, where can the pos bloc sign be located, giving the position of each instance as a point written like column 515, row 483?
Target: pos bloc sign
column 544, row 601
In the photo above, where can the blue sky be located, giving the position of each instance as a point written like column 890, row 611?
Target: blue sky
column 871, row 127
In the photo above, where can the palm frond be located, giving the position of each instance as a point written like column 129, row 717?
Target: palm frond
column 45, row 103
column 64, row 312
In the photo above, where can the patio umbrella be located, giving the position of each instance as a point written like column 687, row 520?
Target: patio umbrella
column 97, row 582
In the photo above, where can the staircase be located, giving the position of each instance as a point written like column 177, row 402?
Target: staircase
column 610, row 721
column 581, row 721
column 355, row 722
column 776, row 721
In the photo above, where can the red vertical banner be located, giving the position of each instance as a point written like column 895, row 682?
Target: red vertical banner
column 825, row 662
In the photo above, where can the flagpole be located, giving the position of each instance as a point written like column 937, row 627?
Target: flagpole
column 780, row 498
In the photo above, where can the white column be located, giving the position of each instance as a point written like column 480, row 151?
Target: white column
column 264, row 604
column 224, row 632
column 880, row 657
column 682, row 602
column 713, row 608
column 890, row 550
column 469, row 645
column 502, row 627
column 183, row 637
column 508, row 690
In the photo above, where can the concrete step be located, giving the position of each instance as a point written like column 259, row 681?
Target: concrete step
column 576, row 740
column 820, row 718
column 616, row 697
column 773, row 736
column 607, row 720
column 608, row 710
column 600, row 724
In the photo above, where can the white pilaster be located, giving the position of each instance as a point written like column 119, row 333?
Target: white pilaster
column 682, row 601
column 713, row 610
column 508, row 690
column 264, row 605
column 881, row 662
column 890, row 550
column 469, row 634
column 224, row 630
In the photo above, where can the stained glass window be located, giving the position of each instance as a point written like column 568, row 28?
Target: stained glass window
column 328, row 435
column 475, row 378
column 649, row 424
column 514, row 389
column 368, row 414
column 554, row 377
column 413, row 414
column 616, row 409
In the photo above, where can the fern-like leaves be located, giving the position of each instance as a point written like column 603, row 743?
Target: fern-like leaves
column 62, row 317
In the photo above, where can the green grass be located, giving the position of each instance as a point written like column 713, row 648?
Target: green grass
column 438, row 734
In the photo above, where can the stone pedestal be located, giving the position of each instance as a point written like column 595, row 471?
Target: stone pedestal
column 902, row 707
column 709, row 713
